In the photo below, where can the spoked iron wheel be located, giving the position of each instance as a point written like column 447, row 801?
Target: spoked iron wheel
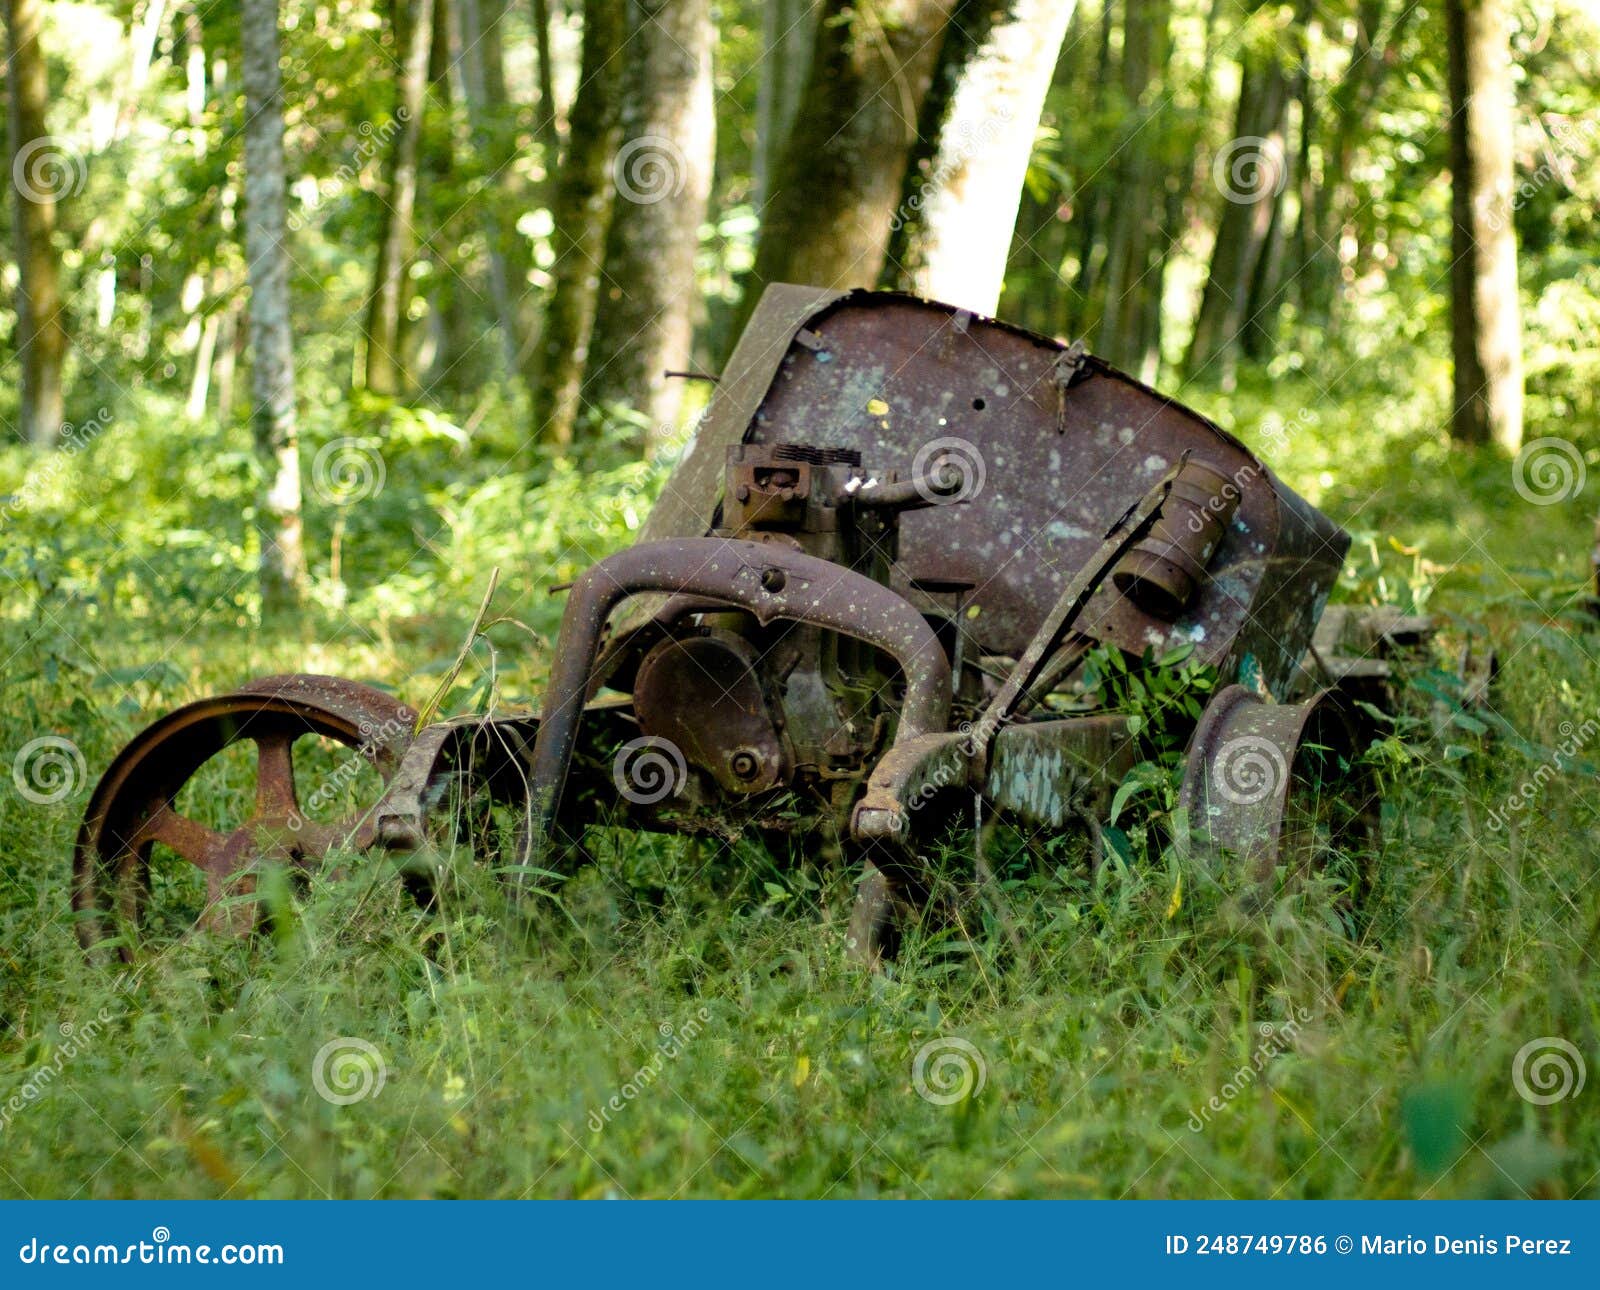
column 135, row 816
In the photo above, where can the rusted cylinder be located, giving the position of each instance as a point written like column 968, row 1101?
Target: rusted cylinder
column 1165, row 571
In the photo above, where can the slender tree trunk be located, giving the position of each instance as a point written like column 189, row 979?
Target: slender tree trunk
column 483, row 79
column 1095, row 203
column 1309, row 126
column 1486, row 326
column 581, row 212
column 787, row 33
column 228, row 346
column 272, row 347
column 1258, row 331
column 37, row 164
column 1374, row 52
column 1040, row 240
column 958, row 210
column 645, row 320
column 385, row 365
column 144, row 36
column 1135, row 258
column 546, row 128
column 194, row 80
column 504, row 116
column 446, row 354
column 1250, row 170
column 837, row 182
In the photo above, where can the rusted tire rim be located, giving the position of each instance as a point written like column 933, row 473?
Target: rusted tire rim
column 132, row 807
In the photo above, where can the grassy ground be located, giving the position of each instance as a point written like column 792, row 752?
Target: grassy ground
column 684, row 1022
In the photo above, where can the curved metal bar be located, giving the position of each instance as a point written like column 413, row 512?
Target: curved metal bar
column 1246, row 764
column 771, row 582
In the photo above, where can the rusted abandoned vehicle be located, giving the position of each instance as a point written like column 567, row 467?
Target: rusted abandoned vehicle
column 899, row 530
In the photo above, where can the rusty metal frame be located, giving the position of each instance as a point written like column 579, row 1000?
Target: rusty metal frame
column 769, row 581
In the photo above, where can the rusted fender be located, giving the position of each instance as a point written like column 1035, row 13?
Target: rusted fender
column 1245, row 764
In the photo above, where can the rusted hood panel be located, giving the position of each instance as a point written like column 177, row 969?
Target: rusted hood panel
column 889, row 374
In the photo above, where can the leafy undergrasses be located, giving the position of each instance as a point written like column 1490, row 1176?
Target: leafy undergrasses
column 680, row 1019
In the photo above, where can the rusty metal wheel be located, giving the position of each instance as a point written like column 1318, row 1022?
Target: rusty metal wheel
column 1280, row 785
column 134, row 816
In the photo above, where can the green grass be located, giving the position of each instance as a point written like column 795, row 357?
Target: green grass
column 504, row 1031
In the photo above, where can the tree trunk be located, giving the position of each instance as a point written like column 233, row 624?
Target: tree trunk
column 1374, row 51
column 1271, row 277
column 1093, row 206
column 483, row 80
column 1250, row 170
column 645, row 319
column 37, row 165
column 1135, row 254
column 385, row 364
column 272, row 348
column 837, row 181
column 580, row 211
column 546, row 129
column 1486, row 326
column 787, row 34
column 443, row 351
column 958, row 210
column 144, row 35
